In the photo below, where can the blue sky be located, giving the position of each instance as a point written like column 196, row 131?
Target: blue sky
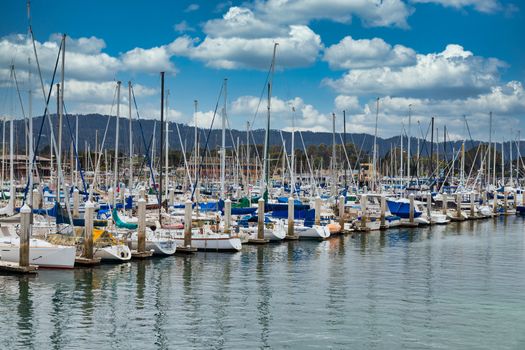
column 446, row 58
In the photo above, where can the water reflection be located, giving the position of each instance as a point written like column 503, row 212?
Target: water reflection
column 85, row 284
column 140, row 282
column 424, row 288
column 264, row 296
column 25, row 313
column 161, row 305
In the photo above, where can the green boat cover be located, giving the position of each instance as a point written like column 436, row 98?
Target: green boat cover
column 120, row 223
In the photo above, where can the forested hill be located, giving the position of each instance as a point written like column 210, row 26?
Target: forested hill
column 91, row 124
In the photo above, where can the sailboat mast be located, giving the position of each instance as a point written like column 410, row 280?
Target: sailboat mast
column 511, row 179
column 76, row 147
column 334, row 169
column 401, row 160
column 130, row 184
column 344, row 146
column 266, row 160
column 374, row 155
column 167, row 144
column 223, row 143
column 503, row 163
column 196, row 147
column 248, row 167
column 292, row 157
column 115, row 160
column 431, row 149
column 409, row 154
column 60, row 101
column 30, row 141
column 490, row 149
column 57, row 180
column 161, row 142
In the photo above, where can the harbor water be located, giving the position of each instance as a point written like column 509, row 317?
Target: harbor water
column 459, row 286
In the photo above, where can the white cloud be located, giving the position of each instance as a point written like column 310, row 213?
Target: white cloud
column 507, row 102
column 192, row 7
column 87, row 91
column 453, row 72
column 84, row 59
column 204, row 120
column 380, row 13
column 487, row 6
column 307, row 117
column 241, row 22
column 183, row 27
column 299, row 48
column 152, row 60
column 350, row 53
column 348, row 103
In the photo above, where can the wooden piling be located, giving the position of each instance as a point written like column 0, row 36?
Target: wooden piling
column 76, row 203
column 25, row 227
column 187, row 248
column 342, row 212
column 141, row 252
column 227, row 216
column 317, row 207
column 87, row 258
column 171, row 196
column 472, row 206
column 383, row 226
column 290, row 234
column 364, row 204
column 260, row 224
column 37, row 199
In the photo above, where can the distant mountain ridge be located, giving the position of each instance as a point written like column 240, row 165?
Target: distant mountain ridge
column 89, row 124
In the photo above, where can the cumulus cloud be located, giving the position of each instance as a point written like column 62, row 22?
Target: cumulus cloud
column 285, row 113
column 454, row 72
column 506, row 102
column 88, row 91
column 350, row 104
column 241, row 22
column 350, row 53
column 204, row 120
column 152, row 60
column 299, row 48
column 84, row 59
column 487, row 6
column 380, row 13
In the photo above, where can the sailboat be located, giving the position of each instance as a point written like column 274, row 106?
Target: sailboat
column 41, row 252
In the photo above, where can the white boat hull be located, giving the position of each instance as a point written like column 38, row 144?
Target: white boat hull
column 113, row 253
column 159, row 246
column 272, row 234
column 314, row 232
column 218, row 243
column 41, row 253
